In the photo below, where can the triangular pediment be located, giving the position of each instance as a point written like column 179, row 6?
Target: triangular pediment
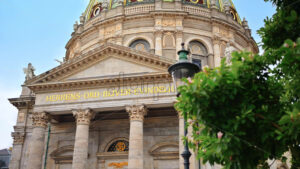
column 111, row 67
column 109, row 60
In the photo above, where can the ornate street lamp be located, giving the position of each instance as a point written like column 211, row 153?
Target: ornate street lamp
column 183, row 69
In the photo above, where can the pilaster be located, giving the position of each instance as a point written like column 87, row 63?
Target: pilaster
column 158, row 42
column 17, row 150
column 179, row 40
column 217, row 57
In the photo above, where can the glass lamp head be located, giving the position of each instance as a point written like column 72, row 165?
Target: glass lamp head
column 183, row 68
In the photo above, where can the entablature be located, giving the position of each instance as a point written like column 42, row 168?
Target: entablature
column 100, row 82
column 23, row 102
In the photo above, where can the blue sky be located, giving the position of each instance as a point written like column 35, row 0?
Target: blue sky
column 37, row 32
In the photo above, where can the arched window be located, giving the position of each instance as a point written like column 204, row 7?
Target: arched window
column 140, row 45
column 119, row 146
column 199, row 53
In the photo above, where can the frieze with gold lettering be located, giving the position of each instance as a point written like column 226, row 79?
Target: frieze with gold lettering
column 153, row 90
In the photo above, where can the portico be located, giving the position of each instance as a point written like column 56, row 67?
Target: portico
column 130, row 128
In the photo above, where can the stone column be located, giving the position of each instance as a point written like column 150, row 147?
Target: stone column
column 83, row 118
column 37, row 145
column 136, row 148
column 17, row 150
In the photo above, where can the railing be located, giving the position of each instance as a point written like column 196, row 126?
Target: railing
column 195, row 10
column 140, row 2
column 135, row 9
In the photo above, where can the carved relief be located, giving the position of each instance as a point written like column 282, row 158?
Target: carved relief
column 168, row 22
column 18, row 137
column 136, row 112
column 118, row 27
column 158, row 23
column 178, row 22
column 109, row 31
column 118, row 165
column 83, row 117
column 40, row 119
column 224, row 33
column 216, row 39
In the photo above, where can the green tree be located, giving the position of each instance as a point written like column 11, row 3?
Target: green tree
column 249, row 111
column 285, row 24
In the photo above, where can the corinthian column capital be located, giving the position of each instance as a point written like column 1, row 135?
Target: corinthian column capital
column 40, row 119
column 136, row 112
column 18, row 137
column 83, row 117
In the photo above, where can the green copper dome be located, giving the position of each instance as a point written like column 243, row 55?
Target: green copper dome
column 96, row 6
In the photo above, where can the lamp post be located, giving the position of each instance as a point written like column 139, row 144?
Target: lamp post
column 183, row 69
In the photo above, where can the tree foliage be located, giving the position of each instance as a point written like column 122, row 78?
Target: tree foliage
column 285, row 24
column 247, row 112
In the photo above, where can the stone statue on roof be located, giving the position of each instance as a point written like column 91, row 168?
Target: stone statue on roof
column 29, row 72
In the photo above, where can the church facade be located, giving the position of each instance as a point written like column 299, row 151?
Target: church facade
column 109, row 104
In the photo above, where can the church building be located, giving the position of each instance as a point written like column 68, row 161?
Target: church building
column 110, row 103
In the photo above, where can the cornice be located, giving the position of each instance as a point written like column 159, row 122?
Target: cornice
column 199, row 18
column 97, row 54
column 109, row 20
column 23, row 102
column 100, row 82
column 74, row 37
column 168, row 13
column 223, row 22
column 247, row 39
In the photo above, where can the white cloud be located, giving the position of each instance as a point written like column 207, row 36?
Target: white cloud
column 8, row 116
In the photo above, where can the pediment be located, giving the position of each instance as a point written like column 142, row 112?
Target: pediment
column 112, row 66
column 165, row 150
column 63, row 153
column 107, row 60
